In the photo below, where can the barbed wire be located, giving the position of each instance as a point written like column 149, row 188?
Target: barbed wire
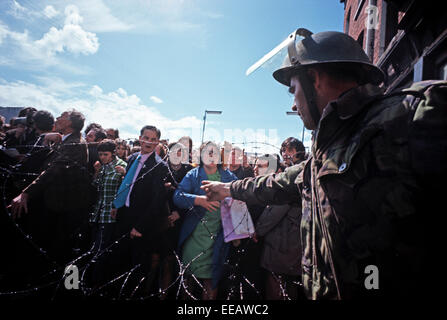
column 92, row 257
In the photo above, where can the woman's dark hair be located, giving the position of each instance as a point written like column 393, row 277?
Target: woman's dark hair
column 120, row 142
column 206, row 146
column 162, row 150
column 100, row 135
column 91, row 126
column 115, row 132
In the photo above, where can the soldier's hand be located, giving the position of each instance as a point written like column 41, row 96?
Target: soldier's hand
column 19, row 204
column 216, row 190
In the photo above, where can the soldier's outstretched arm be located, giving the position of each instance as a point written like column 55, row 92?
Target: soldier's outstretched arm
column 263, row 190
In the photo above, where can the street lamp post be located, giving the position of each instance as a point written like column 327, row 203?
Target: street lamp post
column 204, row 120
column 295, row 113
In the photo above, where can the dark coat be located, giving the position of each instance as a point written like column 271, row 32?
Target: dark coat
column 64, row 184
column 147, row 199
column 243, row 172
column 172, row 234
column 371, row 193
column 60, row 200
column 280, row 228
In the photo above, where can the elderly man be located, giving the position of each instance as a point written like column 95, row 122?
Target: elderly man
column 374, row 179
column 62, row 194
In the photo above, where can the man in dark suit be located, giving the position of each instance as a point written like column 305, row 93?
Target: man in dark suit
column 59, row 199
column 141, row 199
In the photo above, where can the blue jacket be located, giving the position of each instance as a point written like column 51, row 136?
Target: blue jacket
column 184, row 198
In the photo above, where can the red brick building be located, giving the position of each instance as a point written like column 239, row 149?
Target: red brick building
column 407, row 39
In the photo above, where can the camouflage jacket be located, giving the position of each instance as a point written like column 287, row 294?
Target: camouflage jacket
column 376, row 162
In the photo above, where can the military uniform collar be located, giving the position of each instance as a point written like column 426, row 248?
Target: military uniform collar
column 348, row 104
column 354, row 100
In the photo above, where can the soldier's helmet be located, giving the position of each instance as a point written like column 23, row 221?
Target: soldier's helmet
column 329, row 47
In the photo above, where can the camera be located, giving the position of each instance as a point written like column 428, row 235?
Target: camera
column 19, row 121
column 24, row 121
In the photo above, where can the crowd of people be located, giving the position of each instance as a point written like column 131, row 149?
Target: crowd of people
column 75, row 191
column 353, row 219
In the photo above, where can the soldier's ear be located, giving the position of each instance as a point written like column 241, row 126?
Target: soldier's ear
column 315, row 77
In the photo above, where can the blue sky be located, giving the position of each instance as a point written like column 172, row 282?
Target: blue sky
column 129, row 63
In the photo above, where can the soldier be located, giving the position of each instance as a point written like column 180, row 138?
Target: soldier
column 373, row 178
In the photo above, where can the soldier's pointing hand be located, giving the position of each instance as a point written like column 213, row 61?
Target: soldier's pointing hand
column 216, row 190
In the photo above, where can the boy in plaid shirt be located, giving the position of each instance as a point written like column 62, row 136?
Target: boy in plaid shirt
column 109, row 173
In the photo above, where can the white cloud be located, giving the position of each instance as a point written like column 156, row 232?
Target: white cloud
column 95, row 91
column 50, row 12
column 98, row 17
column 17, row 10
column 148, row 16
column 116, row 109
column 19, row 94
column 3, row 32
column 71, row 38
column 59, row 87
column 156, row 99
column 23, row 12
column 72, row 15
column 23, row 51
column 122, row 16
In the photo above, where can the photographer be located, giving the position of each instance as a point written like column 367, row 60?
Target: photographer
column 22, row 133
column 33, row 161
column 62, row 192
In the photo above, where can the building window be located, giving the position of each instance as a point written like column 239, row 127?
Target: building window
column 360, row 39
column 359, row 9
column 348, row 20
